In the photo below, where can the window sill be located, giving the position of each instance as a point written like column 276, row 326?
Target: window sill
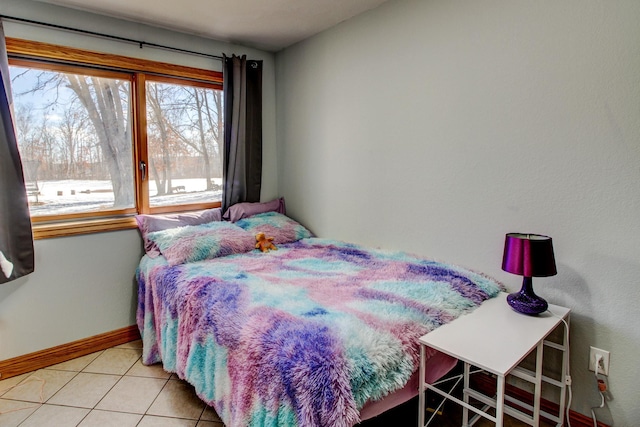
column 74, row 228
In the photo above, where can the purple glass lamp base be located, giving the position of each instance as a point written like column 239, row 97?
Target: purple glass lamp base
column 526, row 301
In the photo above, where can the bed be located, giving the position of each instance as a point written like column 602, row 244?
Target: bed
column 316, row 333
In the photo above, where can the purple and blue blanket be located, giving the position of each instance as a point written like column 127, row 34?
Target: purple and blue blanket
column 301, row 336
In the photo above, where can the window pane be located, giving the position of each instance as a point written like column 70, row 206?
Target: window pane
column 184, row 131
column 74, row 138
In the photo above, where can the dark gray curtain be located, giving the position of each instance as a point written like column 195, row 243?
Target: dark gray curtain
column 242, row 165
column 16, row 238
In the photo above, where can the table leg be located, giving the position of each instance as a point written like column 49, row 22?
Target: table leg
column 465, row 396
column 500, row 401
column 538, row 385
column 565, row 372
column 421, row 398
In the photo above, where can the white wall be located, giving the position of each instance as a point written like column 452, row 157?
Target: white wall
column 84, row 285
column 438, row 126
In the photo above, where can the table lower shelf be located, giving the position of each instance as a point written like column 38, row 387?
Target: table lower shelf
column 485, row 404
column 510, row 408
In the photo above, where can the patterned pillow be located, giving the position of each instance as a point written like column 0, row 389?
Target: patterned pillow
column 150, row 223
column 282, row 228
column 198, row 242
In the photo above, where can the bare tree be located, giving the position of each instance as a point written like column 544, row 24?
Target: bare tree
column 202, row 140
column 158, row 121
column 197, row 124
column 71, row 130
column 182, row 122
column 27, row 132
column 110, row 118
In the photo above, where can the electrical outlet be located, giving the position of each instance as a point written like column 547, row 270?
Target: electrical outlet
column 604, row 362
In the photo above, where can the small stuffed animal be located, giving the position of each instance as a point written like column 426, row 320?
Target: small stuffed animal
column 264, row 243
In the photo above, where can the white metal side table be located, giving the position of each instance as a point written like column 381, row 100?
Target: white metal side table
column 496, row 339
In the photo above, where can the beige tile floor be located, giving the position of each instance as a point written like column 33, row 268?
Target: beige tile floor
column 106, row 388
column 113, row 388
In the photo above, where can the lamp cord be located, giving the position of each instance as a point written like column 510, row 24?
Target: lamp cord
column 601, row 387
column 567, row 378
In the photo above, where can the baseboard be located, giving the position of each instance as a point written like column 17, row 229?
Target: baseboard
column 51, row 356
column 487, row 385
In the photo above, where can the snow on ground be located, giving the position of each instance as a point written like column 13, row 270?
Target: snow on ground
column 73, row 196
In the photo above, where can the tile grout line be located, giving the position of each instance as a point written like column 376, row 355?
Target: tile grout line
column 57, row 391
column 146, row 411
column 82, row 370
column 75, row 373
column 105, row 394
column 110, row 389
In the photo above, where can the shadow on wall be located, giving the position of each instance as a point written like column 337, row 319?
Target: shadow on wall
column 591, row 318
column 134, row 296
column 619, row 281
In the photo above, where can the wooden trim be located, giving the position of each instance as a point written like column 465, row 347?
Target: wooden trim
column 73, row 228
column 176, row 81
column 46, row 51
column 183, row 208
column 62, row 353
column 579, row 420
column 487, row 385
column 71, row 69
column 111, row 213
column 140, row 142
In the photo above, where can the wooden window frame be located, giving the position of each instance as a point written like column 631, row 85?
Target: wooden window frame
column 61, row 58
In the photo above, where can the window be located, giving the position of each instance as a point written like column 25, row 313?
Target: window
column 183, row 131
column 74, row 136
column 103, row 137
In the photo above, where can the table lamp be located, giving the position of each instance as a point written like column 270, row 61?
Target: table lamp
column 528, row 255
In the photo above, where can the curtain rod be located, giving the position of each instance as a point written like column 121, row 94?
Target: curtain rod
column 108, row 36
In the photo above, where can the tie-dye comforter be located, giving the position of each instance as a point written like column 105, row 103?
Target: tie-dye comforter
column 302, row 336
